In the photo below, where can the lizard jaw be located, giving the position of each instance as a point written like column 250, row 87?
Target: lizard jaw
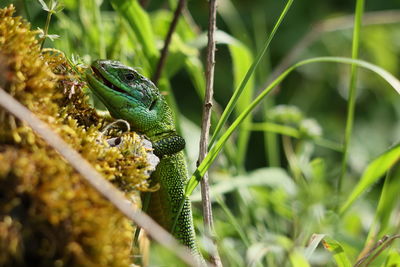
column 98, row 75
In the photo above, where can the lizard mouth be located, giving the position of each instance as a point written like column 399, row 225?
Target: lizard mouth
column 106, row 82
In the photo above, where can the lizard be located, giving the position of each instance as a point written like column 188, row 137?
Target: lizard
column 132, row 97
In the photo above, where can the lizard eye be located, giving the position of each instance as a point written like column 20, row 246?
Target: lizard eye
column 129, row 77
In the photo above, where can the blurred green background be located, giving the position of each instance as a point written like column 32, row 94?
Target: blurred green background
column 271, row 191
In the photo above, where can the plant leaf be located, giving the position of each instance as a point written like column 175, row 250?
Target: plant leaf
column 44, row 5
column 272, row 177
column 313, row 244
column 236, row 94
column 297, row 259
column 209, row 159
column 336, row 249
column 373, row 173
column 140, row 23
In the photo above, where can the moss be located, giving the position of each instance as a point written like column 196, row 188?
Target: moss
column 48, row 215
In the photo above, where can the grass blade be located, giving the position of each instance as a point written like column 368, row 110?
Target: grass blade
column 266, row 177
column 297, row 259
column 140, row 23
column 242, row 58
column 206, row 163
column 89, row 12
column 232, row 102
column 373, row 173
column 336, row 249
column 314, row 242
column 387, row 202
column 292, row 132
column 351, row 103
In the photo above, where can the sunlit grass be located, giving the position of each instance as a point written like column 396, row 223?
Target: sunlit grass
column 263, row 216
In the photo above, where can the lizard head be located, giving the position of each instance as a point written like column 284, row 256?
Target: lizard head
column 130, row 96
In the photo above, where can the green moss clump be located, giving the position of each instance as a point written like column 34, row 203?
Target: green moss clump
column 49, row 216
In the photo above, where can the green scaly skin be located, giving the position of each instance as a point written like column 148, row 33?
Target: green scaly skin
column 132, row 97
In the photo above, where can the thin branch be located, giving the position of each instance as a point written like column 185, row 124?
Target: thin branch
column 383, row 247
column 94, row 178
column 371, row 250
column 205, row 130
column 164, row 52
column 382, row 244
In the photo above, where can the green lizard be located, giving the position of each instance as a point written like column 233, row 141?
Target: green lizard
column 132, row 97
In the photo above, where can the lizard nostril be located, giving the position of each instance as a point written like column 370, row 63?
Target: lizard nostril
column 152, row 105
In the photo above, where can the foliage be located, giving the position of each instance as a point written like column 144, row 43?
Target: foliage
column 48, row 214
column 267, row 216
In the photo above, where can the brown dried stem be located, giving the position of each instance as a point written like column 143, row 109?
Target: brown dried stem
column 382, row 244
column 164, row 52
column 95, row 179
column 205, row 130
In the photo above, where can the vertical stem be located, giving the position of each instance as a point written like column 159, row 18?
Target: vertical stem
column 291, row 158
column 205, row 129
column 46, row 27
column 164, row 52
column 352, row 92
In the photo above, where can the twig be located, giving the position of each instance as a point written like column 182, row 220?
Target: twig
column 164, row 52
column 371, row 250
column 383, row 243
column 94, row 178
column 205, row 131
column 383, row 247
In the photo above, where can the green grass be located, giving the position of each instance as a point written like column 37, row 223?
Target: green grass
column 317, row 183
column 352, row 90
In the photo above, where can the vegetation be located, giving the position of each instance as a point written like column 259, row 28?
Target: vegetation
column 307, row 173
column 48, row 215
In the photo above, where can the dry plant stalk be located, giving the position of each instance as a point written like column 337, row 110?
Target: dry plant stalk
column 205, row 130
